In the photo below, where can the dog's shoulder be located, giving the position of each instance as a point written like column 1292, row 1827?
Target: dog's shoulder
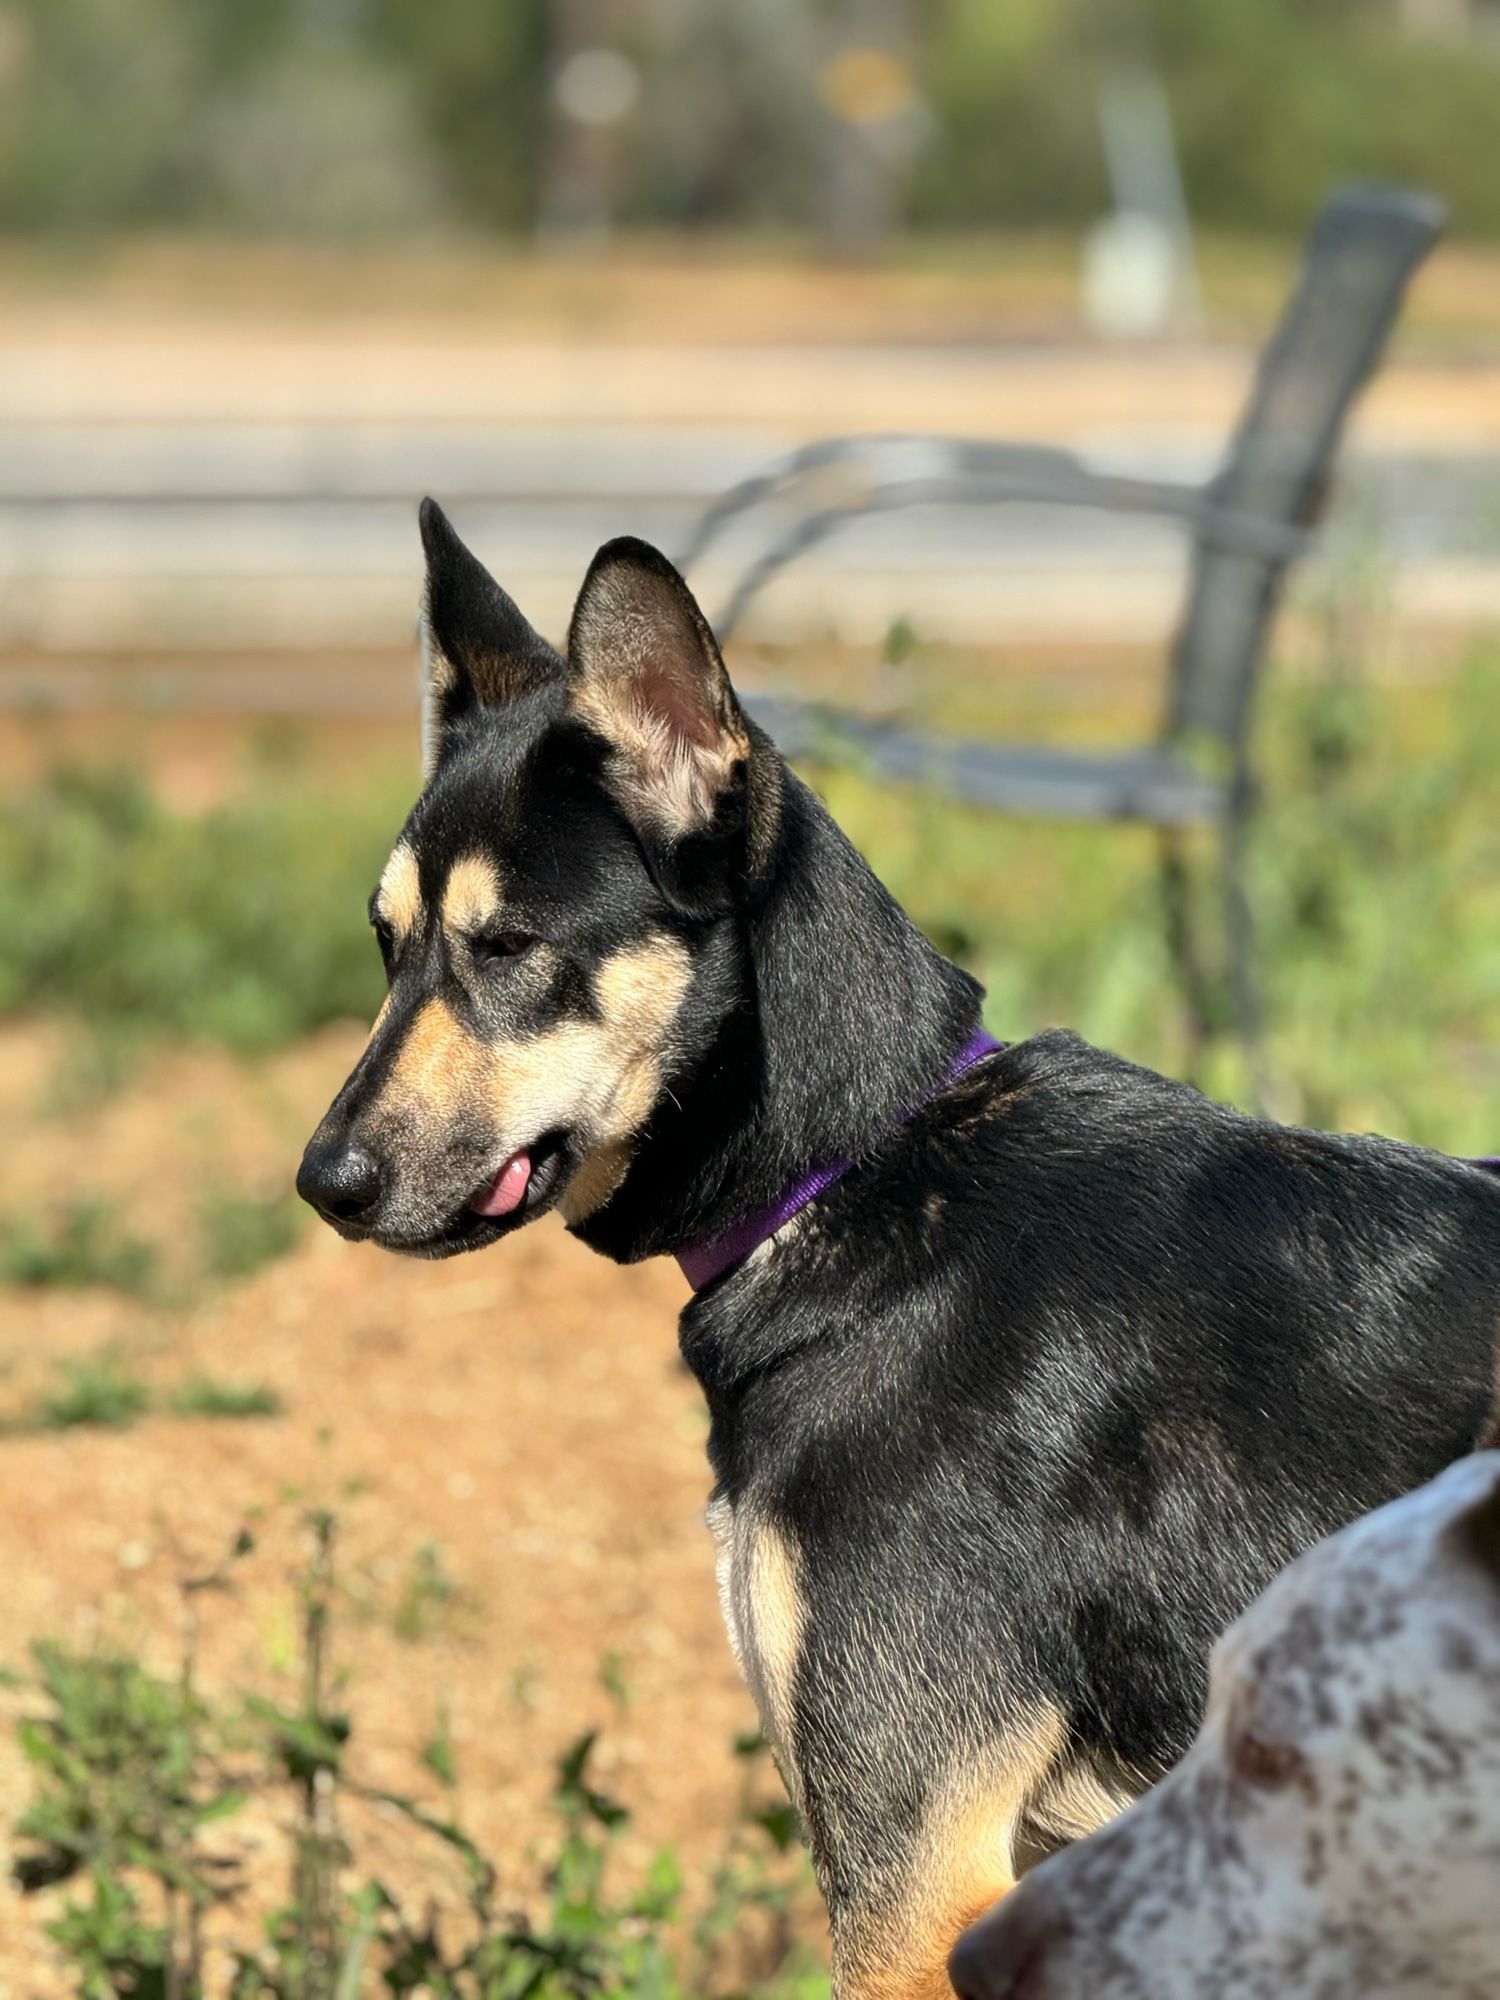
column 1058, row 1101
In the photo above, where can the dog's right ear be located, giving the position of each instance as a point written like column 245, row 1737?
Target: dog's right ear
column 477, row 648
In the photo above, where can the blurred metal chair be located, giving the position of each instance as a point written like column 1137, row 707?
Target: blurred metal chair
column 1246, row 526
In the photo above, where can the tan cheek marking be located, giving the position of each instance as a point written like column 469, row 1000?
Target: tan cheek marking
column 594, row 1181
column 379, row 1022
column 471, row 894
column 960, row 1867
column 399, row 897
column 557, row 1078
column 601, row 1076
column 640, row 993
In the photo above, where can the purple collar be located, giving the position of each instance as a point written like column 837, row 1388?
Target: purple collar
column 703, row 1262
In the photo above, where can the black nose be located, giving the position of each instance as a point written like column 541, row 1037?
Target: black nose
column 341, row 1181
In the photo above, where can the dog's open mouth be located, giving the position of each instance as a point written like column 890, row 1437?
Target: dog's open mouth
column 527, row 1184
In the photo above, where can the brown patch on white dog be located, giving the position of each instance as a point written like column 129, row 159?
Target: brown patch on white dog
column 1334, row 1829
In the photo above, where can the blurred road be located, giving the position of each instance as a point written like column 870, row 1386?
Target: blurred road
column 196, row 501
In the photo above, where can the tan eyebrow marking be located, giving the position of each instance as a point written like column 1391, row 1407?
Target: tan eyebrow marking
column 399, row 897
column 471, row 895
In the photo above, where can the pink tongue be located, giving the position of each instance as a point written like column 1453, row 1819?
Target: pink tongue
column 506, row 1191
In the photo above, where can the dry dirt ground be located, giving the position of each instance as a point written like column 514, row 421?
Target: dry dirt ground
column 522, row 1414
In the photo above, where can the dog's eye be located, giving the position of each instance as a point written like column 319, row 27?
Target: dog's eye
column 496, row 945
column 1269, row 1766
column 385, row 938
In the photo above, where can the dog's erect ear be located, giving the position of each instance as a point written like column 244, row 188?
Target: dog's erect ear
column 645, row 671
column 477, row 647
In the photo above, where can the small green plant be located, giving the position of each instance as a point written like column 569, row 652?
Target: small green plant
column 212, row 1396
column 241, row 1232
column 438, row 1753
column 614, row 1677
column 127, row 1773
column 102, row 1391
column 98, row 1391
column 80, row 1246
column 429, row 1598
column 750, row 1876
column 132, row 1773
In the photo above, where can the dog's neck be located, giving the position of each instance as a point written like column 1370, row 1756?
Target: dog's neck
column 849, row 1019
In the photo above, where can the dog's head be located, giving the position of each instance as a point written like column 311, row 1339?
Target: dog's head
column 551, row 914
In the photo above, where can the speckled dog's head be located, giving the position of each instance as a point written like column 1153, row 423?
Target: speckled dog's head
column 1334, row 1832
column 550, row 914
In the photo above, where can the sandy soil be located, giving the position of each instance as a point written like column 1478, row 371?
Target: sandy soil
column 522, row 1413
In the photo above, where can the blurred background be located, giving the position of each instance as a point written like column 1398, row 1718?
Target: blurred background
column 311, row 1540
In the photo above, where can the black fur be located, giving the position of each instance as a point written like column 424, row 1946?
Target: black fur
column 1042, row 1393
column 1072, row 1422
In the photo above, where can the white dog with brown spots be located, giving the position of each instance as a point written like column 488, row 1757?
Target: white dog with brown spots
column 1334, row 1832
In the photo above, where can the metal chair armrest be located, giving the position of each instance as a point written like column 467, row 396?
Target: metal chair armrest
column 1043, row 478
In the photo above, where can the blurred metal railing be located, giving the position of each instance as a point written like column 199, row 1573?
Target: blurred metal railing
column 1246, row 526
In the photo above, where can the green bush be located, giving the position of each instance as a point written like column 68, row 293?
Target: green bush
column 1273, row 102
column 221, row 926
column 342, row 120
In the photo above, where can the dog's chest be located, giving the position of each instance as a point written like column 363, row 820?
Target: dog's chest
column 765, row 1613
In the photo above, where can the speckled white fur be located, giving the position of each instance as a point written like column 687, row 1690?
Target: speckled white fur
column 1334, row 1832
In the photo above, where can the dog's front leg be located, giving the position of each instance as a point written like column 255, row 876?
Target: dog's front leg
column 913, row 1892
column 911, row 1819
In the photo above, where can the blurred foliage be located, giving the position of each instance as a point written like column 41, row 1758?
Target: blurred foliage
column 98, row 1392
column 344, row 116
column 1273, row 102
column 211, row 1396
column 476, row 72
column 137, row 1781
column 1376, row 883
column 216, row 926
column 1376, row 876
column 80, row 1245
column 102, row 1391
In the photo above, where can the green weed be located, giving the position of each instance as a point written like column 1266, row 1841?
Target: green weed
column 136, row 1778
column 429, row 1598
column 128, row 1770
column 98, row 1392
column 212, row 1396
column 101, row 1391
column 80, row 1246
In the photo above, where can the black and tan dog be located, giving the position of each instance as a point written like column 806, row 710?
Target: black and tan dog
column 1017, row 1415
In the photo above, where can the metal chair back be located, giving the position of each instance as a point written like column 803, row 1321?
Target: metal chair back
column 1363, row 249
